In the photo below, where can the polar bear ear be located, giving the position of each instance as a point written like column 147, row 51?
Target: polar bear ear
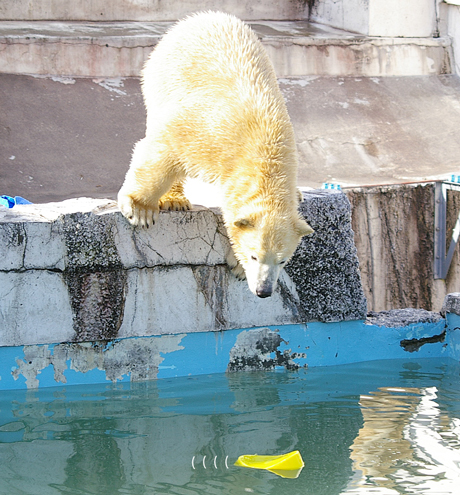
column 302, row 228
column 246, row 222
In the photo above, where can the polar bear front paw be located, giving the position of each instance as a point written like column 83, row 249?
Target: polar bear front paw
column 235, row 266
column 137, row 215
column 299, row 195
column 238, row 272
column 174, row 203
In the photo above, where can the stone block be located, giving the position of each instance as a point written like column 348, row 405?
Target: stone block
column 34, row 307
column 451, row 304
column 325, row 268
column 398, row 18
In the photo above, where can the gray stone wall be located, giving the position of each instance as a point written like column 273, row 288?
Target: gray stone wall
column 76, row 271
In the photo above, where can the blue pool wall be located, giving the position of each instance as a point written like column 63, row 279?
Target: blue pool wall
column 290, row 347
column 86, row 298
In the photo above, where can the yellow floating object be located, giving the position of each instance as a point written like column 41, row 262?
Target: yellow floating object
column 287, row 466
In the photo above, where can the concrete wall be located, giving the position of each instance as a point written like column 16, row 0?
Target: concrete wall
column 351, row 15
column 146, row 10
column 452, row 11
column 403, row 334
column 78, row 272
column 85, row 298
column 398, row 18
column 405, row 18
column 394, row 234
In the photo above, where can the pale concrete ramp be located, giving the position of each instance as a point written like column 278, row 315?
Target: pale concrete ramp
column 63, row 137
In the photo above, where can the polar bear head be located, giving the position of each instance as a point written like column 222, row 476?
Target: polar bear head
column 262, row 244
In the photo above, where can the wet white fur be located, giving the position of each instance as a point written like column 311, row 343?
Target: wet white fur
column 215, row 112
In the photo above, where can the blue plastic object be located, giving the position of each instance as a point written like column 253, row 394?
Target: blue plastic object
column 10, row 202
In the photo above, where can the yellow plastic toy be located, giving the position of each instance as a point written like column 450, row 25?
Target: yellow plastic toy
column 287, row 466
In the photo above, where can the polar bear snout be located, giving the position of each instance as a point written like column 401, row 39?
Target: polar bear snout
column 262, row 278
column 263, row 292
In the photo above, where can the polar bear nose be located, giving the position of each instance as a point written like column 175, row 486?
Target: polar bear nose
column 263, row 292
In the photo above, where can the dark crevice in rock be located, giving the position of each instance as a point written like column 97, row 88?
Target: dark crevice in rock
column 414, row 345
column 95, row 277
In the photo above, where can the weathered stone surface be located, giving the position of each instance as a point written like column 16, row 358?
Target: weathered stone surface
column 394, row 235
column 258, row 350
column 77, row 271
column 140, row 358
column 325, row 269
column 396, row 318
column 90, row 234
column 451, row 303
column 34, row 308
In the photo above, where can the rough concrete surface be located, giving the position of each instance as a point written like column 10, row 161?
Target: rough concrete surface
column 77, row 272
column 108, row 49
column 327, row 262
column 377, row 17
column 394, row 236
column 395, row 318
column 451, row 303
column 139, row 358
column 62, row 138
column 258, row 350
column 142, row 10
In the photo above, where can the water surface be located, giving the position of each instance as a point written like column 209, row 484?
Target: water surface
column 386, row 427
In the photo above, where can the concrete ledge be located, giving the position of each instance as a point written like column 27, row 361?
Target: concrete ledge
column 119, row 49
column 396, row 318
column 76, row 271
column 142, row 10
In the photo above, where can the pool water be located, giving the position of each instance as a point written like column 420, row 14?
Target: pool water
column 381, row 427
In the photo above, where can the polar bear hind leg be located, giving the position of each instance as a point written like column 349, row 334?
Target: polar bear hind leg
column 175, row 199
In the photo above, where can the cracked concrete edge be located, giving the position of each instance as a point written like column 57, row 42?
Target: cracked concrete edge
column 398, row 318
column 379, row 57
column 75, row 234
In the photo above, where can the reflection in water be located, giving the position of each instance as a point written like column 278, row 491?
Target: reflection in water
column 140, row 439
column 406, row 444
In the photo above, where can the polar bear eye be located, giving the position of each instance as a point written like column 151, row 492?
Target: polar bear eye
column 254, row 258
column 283, row 262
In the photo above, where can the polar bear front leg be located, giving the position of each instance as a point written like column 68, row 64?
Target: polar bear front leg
column 234, row 265
column 149, row 177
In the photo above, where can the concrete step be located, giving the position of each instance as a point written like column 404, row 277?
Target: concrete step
column 146, row 10
column 297, row 48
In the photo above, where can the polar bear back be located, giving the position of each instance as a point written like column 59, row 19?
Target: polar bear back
column 212, row 96
column 205, row 52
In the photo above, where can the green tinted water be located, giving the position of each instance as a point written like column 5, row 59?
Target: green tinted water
column 387, row 427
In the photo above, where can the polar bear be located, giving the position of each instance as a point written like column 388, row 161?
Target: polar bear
column 215, row 112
